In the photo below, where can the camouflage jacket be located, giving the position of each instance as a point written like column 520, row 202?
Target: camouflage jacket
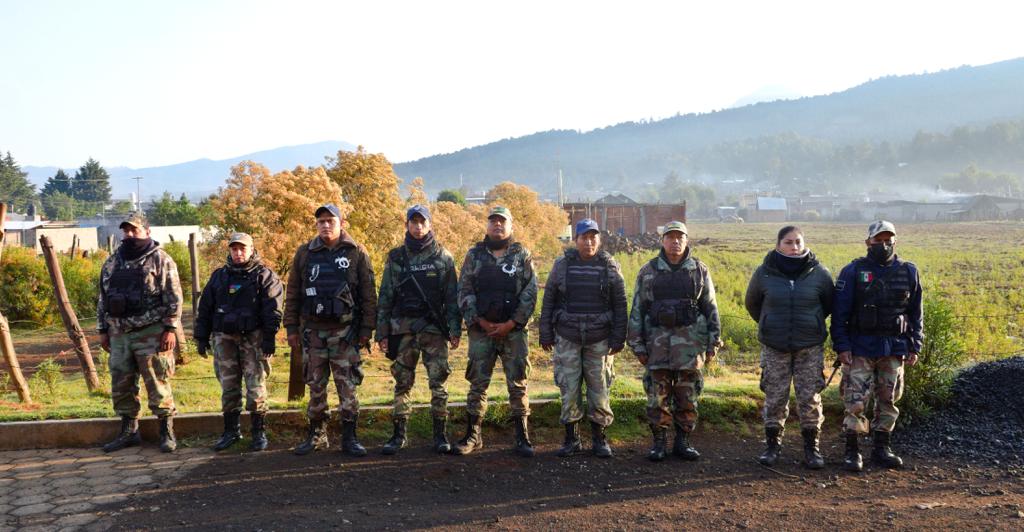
column 679, row 347
column 437, row 261
column 516, row 262
column 161, row 296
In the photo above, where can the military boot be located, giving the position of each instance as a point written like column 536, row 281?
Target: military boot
column 599, row 441
column 523, row 447
column 474, row 438
column 349, row 442
column 127, row 437
column 882, row 453
column 259, row 432
column 682, row 448
column 773, row 446
column 852, row 460
column 232, row 431
column 812, row 455
column 168, row 443
column 316, row 440
column 397, row 440
column 572, row 443
column 441, row 444
column 658, row 452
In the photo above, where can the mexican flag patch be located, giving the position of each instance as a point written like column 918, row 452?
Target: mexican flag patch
column 867, row 277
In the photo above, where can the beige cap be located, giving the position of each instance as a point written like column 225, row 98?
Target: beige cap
column 135, row 219
column 674, row 226
column 240, row 238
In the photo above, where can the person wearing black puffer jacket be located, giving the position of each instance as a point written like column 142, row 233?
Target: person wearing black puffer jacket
column 789, row 296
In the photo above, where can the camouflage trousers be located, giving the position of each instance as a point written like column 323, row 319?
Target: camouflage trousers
column 134, row 354
column 434, row 349
column 238, row 356
column 881, row 378
column 484, row 351
column 325, row 352
column 804, row 369
column 592, row 364
column 679, row 387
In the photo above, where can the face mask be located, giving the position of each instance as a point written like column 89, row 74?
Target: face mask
column 881, row 253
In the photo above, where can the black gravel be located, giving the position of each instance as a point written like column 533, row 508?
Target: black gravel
column 984, row 421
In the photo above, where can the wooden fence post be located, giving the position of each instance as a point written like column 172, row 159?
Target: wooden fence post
column 67, row 314
column 110, row 244
column 195, row 275
column 6, row 343
column 296, row 384
column 74, row 246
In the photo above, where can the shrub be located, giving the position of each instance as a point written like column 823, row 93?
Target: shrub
column 928, row 383
column 5, row 381
column 25, row 291
column 48, row 374
column 179, row 252
column 81, row 280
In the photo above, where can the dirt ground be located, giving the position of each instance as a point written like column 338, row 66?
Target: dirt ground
column 493, row 489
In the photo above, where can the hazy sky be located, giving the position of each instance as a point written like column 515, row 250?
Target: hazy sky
column 146, row 83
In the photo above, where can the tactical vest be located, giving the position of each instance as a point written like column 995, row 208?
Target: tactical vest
column 495, row 287
column 238, row 303
column 126, row 291
column 328, row 295
column 880, row 302
column 586, row 286
column 409, row 302
column 675, row 296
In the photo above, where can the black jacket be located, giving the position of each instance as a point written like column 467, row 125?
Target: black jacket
column 554, row 318
column 790, row 313
column 271, row 298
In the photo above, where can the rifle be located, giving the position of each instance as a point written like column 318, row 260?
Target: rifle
column 835, row 367
column 436, row 317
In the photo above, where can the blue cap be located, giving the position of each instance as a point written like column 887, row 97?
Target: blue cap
column 331, row 208
column 421, row 210
column 585, row 225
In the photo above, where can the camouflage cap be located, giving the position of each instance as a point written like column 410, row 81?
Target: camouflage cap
column 673, row 226
column 881, row 226
column 134, row 219
column 500, row 211
column 240, row 238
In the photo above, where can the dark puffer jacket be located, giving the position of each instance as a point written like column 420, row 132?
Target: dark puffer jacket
column 270, row 293
column 790, row 312
column 610, row 325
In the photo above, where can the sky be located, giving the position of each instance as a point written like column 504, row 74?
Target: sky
column 147, row 83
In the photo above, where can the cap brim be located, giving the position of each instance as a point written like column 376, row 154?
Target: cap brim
column 130, row 224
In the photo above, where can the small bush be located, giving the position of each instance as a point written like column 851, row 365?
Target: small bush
column 48, row 374
column 928, row 383
column 25, row 290
column 179, row 252
column 81, row 280
column 5, row 381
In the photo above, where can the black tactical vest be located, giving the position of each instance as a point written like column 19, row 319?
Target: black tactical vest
column 238, row 303
column 880, row 303
column 126, row 291
column 409, row 302
column 586, row 286
column 327, row 295
column 675, row 296
column 495, row 287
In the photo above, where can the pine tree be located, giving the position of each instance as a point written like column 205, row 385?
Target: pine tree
column 14, row 185
column 91, row 183
column 59, row 182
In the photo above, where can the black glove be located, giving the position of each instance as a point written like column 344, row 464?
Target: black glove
column 268, row 346
column 202, row 346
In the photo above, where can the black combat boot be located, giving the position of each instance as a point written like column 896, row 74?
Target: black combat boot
column 441, row 444
column 773, row 446
column 168, row 443
column 349, row 443
column 259, row 432
column 812, row 455
column 572, row 443
column 397, row 440
column 599, row 441
column 523, row 447
column 232, row 431
column 682, row 448
column 127, row 437
column 882, row 453
column 316, row 440
column 852, row 460
column 658, row 452
column 474, row 438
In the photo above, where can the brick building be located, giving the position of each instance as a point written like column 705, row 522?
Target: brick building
column 617, row 213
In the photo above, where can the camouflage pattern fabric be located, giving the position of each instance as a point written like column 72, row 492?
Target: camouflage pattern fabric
column 483, row 353
column 804, row 368
column 325, row 351
column 435, row 259
column 516, row 260
column 434, row 350
column 881, row 378
column 137, row 353
column 678, row 388
column 162, row 297
column 237, row 357
column 576, row 364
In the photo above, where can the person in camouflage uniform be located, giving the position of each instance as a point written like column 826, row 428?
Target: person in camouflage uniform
column 138, row 312
column 673, row 331
column 789, row 296
column 241, row 306
column 418, row 314
column 877, row 326
column 497, row 295
column 330, row 311
column 583, row 320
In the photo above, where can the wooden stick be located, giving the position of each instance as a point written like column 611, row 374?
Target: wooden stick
column 193, row 257
column 67, row 314
column 6, row 343
column 74, row 246
column 110, row 244
column 3, row 218
column 296, row 384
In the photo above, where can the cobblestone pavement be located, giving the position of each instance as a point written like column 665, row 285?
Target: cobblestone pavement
column 63, row 489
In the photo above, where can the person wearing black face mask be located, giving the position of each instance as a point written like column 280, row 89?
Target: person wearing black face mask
column 877, row 327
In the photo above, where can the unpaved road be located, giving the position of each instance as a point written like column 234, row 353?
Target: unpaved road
column 495, row 490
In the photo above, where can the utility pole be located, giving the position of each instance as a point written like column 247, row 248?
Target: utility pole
column 138, row 193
